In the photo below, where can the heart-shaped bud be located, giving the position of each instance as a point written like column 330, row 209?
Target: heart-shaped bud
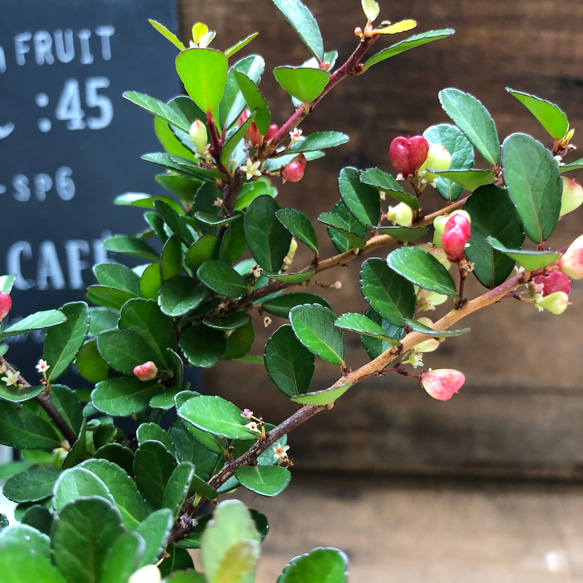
column 198, row 135
column 443, row 383
column 552, row 282
column 402, row 214
column 571, row 262
column 438, row 158
column 456, row 234
column 556, row 303
column 5, row 304
column 572, row 196
column 294, row 171
column 408, row 154
column 147, row 371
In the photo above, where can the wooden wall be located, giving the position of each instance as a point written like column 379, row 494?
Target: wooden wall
column 520, row 411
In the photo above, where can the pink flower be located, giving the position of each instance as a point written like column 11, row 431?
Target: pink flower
column 552, row 282
column 456, row 234
column 5, row 304
column 442, row 384
column 247, row 413
column 571, row 262
column 408, row 154
column 147, row 371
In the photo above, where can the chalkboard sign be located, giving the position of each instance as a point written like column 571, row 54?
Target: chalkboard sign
column 69, row 142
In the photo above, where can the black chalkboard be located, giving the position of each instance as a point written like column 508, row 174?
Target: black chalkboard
column 69, row 142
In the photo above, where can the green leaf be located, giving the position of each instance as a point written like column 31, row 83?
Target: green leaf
column 281, row 305
column 319, row 141
column 167, row 34
column 234, row 139
column 176, row 490
column 205, row 249
column 123, row 558
column 181, row 295
column 303, row 22
column 407, row 44
column 390, row 294
column 23, row 535
column 549, row 115
column 405, row 234
column 363, row 325
column 217, row 416
column 468, row 179
column 155, row 530
column 577, row 165
column 118, row 454
column 420, row 327
column 62, row 342
column 275, row 164
column 153, row 466
column 122, row 488
column 146, row 201
column 251, row 190
column 6, row 283
column 16, row 394
column 321, row 565
column 159, row 109
column 462, row 156
column 267, row 238
column 342, row 221
column 230, row 321
column 371, row 9
column 313, row 325
column 300, row 277
column 321, row 398
column 203, row 346
column 36, row 321
column 241, row 44
column 124, row 350
column 222, row 279
column 422, row 269
column 75, row 483
column 109, row 297
column 176, row 221
column 473, row 119
column 362, row 200
column 204, row 74
column 118, row 276
column 288, row 363
column 527, row 259
column 182, row 166
column 486, row 206
column 123, row 396
column 31, row 485
column 385, row 182
column 23, row 428
column 264, row 480
column 68, row 404
column 83, row 534
column 19, row 563
column 130, row 246
column 90, row 364
column 299, row 226
column 302, row 83
column 534, row 184
column 214, row 220
column 255, row 101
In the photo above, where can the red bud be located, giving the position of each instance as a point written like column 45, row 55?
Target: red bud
column 271, row 132
column 294, row 171
column 408, row 154
column 5, row 304
column 554, row 282
column 442, row 384
column 456, row 234
column 147, row 371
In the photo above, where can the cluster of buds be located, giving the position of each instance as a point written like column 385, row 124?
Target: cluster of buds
column 256, row 139
column 452, row 233
column 5, row 304
column 442, row 384
column 147, row 371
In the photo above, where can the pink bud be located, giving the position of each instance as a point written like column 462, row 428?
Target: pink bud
column 253, row 135
column 408, row 154
column 147, row 371
column 552, row 282
column 5, row 304
column 271, row 132
column 443, row 383
column 571, row 262
column 456, row 234
column 294, row 171
column 572, row 197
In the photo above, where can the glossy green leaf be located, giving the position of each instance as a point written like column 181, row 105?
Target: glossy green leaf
column 183, row 188
column 462, row 156
column 577, row 165
column 203, row 346
column 527, row 259
column 407, row 44
column 167, row 34
column 123, row 558
column 275, row 164
column 485, row 207
column 181, row 295
column 375, row 346
column 204, row 74
column 83, row 534
column 321, row 398
column 267, row 238
column 313, row 325
column 174, row 142
column 300, row 277
column 159, row 108
column 534, row 184
column 319, row 141
column 230, row 321
column 264, row 480
column 281, row 305
column 205, row 249
column 549, row 115
column 62, row 342
column 251, row 190
column 6, row 283
column 422, row 269
column 223, row 279
column 123, row 396
column 21, row 563
column 371, row 9
column 109, row 297
column 175, row 221
column 362, row 200
column 235, row 138
column 118, row 276
column 420, row 327
column 68, row 404
column 155, row 530
column 36, row 321
column 16, row 394
column 361, row 324
column 146, row 201
column 320, row 565
column 153, row 466
column 468, row 179
column 182, row 166
column 214, row 220
column 118, row 454
column 473, row 119
column 176, row 490
column 90, row 364
column 288, row 363
column 299, row 226
column 129, row 245
column 75, row 483
column 303, row 22
column 301, row 83
column 390, row 294
column 340, row 219
column 22, row 535
column 217, row 416
column 255, row 101
column 385, row 182
column 23, row 428
column 31, row 485
column 122, row 488
column 241, row 44
column 38, row 517
column 124, row 350
column 405, row 234
column 153, row 432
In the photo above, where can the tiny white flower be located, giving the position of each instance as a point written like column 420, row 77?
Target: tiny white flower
column 296, row 135
column 279, row 451
column 11, row 378
column 42, row 366
column 251, row 168
column 253, row 426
